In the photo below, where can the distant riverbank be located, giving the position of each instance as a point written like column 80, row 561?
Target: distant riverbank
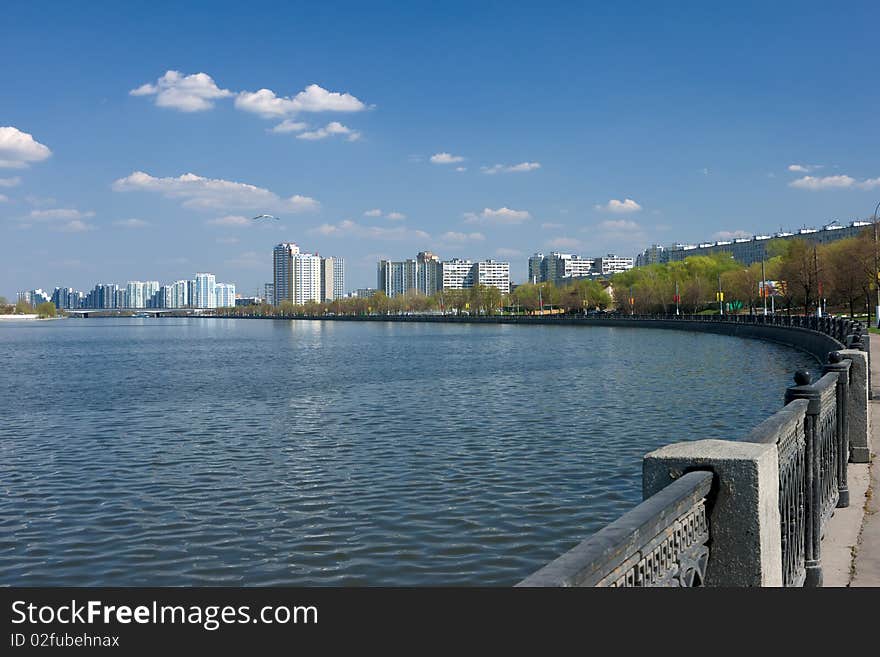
column 34, row 316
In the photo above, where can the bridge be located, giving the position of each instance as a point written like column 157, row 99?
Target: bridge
column 151, row 312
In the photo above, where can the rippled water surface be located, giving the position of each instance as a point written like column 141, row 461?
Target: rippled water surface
column 170, row 451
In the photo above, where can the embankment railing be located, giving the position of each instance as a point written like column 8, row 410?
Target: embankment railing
column 743, row 512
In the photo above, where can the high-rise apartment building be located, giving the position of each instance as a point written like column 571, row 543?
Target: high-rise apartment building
column 338, row 277
column 203, row 291
column 282, row 272
column 224, row 294
column 328, row 279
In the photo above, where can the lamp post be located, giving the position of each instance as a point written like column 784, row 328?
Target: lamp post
column 720, row 297
column 876, row 268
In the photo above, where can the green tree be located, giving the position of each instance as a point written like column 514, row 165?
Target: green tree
column 46, row 309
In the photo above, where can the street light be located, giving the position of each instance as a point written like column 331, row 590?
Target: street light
column 876, row 268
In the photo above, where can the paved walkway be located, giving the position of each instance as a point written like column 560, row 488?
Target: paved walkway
column 866, row 565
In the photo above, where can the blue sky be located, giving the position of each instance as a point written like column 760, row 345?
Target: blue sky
column 470, row 129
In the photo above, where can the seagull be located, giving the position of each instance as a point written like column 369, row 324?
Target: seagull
column 265, row 216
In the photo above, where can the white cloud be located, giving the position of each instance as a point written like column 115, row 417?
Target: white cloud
column 393, row 216
column 267, row 104
column 619, row 225
column 289, row 125
column 10, row 182
column 803, row 168
column 59, row 213
column 514, row 168
column 508, row 253
column 500, row 216
column 732, row 234
column 332, row 128
column 446, row 158
column 131, row 223
column 200, row 193
column 564, row 243
column 460, row 169
column 18, row 149
column 452, row 236
column 349, row 228
column 827, row 182
column 75, row 226
column 186, row 93
column 3, row 198
column 619, row 207
column 230, row 220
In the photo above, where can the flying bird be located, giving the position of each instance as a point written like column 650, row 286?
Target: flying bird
column 265, row 216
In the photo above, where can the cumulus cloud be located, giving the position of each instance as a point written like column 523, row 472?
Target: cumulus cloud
column 459, row 238
column 131, row 223
column 199, row 193
column 314, row 98
column 349, row 228
column 289, row 125
column 564, row 243
column 619, row 207
column 803, row 168
column 461, row 169
column 329, row 130
column 446, row 158
column 10, row 182
column 186, row 93
column 502, row 215
column 522, row 167
column 393, row 216
column 19, row 149
column 830, row 182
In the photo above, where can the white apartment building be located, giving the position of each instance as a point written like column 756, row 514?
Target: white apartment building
column 224, row 294
column 612, row 264
column 203, row 291
column 493, row 274
column 458, row 274
column 305, row 281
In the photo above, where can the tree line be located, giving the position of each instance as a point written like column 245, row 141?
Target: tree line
column 841, row 275
column 577, row 296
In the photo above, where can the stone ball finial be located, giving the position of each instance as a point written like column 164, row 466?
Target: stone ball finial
column 803, row 378
column 834, row 357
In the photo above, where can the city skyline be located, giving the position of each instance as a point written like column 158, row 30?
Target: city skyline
column 573, row 146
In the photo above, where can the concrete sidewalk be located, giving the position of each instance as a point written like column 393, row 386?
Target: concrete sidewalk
column 866, row 564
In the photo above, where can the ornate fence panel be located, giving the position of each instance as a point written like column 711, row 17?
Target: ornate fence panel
column 821, row 485
column 664, row 541
column 786, row 429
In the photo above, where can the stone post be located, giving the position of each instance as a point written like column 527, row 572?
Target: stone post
column 859, row 420
column 841, row 365
column 744, row 522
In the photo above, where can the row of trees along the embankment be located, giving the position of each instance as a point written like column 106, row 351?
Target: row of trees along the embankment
column 840, row 273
